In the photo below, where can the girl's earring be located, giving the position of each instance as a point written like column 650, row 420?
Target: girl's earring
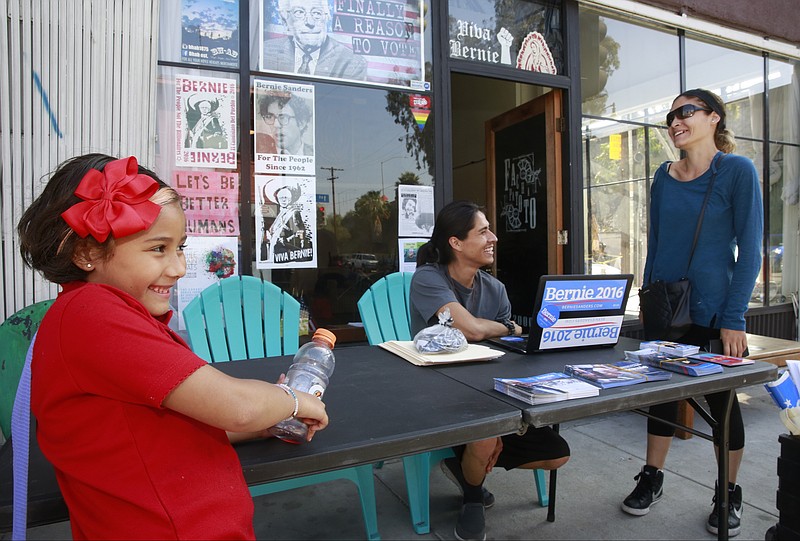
column 88, row 265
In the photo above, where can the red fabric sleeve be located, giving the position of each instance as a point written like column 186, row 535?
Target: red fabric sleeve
column 121, row 351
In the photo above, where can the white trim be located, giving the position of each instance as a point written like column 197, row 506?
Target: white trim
column 642, row 11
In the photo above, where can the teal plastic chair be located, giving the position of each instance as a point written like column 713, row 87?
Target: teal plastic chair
column 385, row 313
column 16, row 333
column 248, row 318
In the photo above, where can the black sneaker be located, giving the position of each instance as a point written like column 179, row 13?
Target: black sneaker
column 648, row 491
column 734, row 512
column 471, row 525
column 452, row 469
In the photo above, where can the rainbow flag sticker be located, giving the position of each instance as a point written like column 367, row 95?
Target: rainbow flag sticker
column 420, row 108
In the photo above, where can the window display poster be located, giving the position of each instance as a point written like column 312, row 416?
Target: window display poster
column 205, row 122
column 210, row 32
column 208, row 260
column 377, row 41
column 518, row 33
column 210, row 201
column 284, row 127
column 414, row 211
column 286, row 222
column 408, row 248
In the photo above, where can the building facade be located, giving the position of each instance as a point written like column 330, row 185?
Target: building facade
column 314, row 140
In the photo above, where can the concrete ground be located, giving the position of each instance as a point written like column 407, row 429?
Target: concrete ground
column 607, row 452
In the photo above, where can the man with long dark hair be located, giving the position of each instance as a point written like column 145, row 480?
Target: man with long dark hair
column 449, row 276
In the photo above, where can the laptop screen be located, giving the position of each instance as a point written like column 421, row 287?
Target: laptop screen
column 579, row 310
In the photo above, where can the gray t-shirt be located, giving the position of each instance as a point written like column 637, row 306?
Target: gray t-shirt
column 432, row 288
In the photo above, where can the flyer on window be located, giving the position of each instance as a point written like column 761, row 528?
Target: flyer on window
column 205, row 122
column 210, row 201
column 286, row 222
column 210, row 32
column 408, row 248
column 375, row 41
column 284, row 127
column 414, row 211
column 208, row 260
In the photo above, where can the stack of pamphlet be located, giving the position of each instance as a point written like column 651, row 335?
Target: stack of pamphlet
column 545, row 388
column 718, row 358
column 670, row 348
column 673, row 363
column 616, row 374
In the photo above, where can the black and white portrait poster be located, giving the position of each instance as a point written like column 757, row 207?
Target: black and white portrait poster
column 377, row 41
column 286, row 222
column 205, row 122
column 414, row 211
column 284, row 127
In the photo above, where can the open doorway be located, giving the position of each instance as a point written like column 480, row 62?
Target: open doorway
column 506, row 157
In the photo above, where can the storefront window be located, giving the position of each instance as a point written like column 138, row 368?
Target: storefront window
column 737, row 77
column 521, row 34
column 359, row 165
column 625, row 97
column 628, row 72
column 784, row 177
column 330, row 142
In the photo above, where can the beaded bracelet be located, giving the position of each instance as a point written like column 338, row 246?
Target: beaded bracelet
column 288, row 390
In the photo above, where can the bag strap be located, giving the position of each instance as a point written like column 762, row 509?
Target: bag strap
column 714, row 165
column 20, row 445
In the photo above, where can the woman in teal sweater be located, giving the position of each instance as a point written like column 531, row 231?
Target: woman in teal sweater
column 723, row 270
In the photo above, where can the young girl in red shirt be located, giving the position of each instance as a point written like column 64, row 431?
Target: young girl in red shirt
column 132, row 420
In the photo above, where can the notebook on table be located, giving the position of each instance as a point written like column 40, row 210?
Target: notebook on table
column 574, row 311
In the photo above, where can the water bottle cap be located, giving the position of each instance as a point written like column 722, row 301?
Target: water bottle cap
column 326, row 336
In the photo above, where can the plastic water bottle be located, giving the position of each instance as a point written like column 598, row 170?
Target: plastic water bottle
column 310, row 372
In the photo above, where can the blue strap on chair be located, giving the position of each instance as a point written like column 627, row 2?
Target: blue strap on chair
column 20, row 445
column 248, row 318
column 385, row 313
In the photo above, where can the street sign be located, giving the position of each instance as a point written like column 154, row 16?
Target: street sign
column 323, row 198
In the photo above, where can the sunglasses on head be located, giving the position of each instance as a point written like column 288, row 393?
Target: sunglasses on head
column 685, row 111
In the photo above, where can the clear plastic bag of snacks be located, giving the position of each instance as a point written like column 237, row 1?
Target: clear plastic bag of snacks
column 441, row 338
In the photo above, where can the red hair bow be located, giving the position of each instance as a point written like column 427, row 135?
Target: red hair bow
column 116, row 200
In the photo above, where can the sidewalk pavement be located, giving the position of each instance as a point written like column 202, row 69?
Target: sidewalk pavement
column 607, row 452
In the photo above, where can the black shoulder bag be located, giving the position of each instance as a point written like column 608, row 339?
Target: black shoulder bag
column 665, row 305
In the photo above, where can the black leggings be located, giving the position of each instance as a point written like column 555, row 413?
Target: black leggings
column 699, row 336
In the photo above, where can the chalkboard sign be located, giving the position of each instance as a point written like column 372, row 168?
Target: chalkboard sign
column 521, row 211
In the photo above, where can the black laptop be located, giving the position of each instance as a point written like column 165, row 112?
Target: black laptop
column 574, row 311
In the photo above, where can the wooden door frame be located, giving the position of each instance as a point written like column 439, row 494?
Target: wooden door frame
column 551, row 105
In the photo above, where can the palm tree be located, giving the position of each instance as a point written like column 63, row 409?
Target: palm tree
column 372, row 208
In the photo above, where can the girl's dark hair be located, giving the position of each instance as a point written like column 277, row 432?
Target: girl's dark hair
column 46, row 242
column 456, row 219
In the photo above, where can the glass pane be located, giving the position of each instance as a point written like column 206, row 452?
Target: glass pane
column 359, row 165
column 620, row 75
column 525, row 34
column 784, row 101
column 200, row 32
column 784, row 175
column 621, row 161
column 737, row 77
column 782, row 248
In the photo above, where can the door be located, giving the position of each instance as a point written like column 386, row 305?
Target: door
column 524, row 197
